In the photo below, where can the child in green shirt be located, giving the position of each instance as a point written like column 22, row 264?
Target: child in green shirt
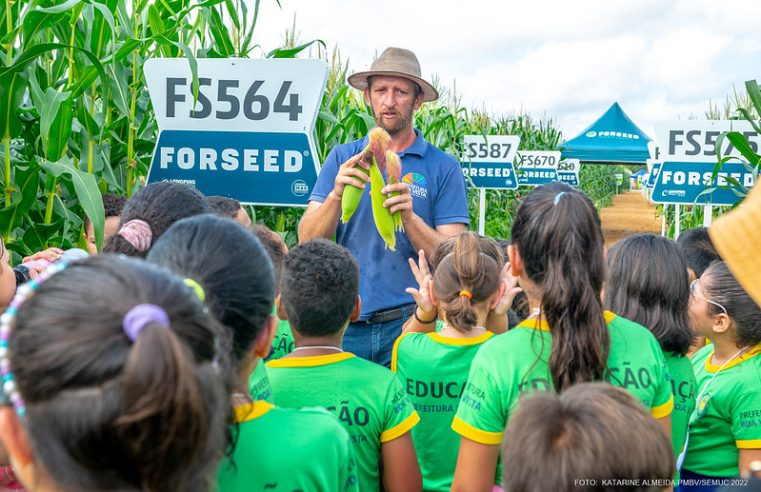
column 282, row 343
column 318, row 297
column 648, row 284
column 557, row 255
column 725, row 428
column 271, row 448
column 433, row 366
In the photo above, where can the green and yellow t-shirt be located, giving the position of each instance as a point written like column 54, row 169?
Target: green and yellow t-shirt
column 259, row 384
column 727, row 416
column 282, row 344
column 368, row 400
column 517, row 362
column 683, row 388
column 288, row 450
column 433, row 369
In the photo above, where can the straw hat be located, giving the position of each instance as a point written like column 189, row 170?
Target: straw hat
column 396, row 62
column 737, row 237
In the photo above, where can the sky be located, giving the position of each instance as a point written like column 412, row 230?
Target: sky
column 568, row 60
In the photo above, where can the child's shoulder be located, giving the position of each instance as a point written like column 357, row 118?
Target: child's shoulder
column 621, row 327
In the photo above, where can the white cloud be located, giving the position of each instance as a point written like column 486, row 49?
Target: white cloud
column 567, row 59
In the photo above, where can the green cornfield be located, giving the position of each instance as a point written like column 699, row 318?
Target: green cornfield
column 76, row 120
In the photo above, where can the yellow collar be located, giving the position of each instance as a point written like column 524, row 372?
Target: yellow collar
column 540, row 324
column 310, row 361
column 747, row 355
column 251, row 411
column 461, row 341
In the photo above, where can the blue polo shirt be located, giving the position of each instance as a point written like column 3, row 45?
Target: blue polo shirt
column 439, row 197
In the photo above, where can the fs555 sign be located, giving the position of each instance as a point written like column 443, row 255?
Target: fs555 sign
column 248, row 135
column 488, row 161
column 689, row 154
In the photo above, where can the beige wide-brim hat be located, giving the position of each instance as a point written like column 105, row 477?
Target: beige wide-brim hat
column 396, row 62
column 737, row 238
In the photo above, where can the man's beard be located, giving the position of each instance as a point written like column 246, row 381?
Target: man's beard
column 401, row 122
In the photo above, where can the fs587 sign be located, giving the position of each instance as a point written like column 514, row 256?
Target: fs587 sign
column 488, row 161
column 247, row 134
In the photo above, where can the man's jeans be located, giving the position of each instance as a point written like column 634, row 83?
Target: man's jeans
column 373, row 341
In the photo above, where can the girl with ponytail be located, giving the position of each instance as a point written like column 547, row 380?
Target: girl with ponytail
column 111, row 381
column 557, row 255
column 466, row 286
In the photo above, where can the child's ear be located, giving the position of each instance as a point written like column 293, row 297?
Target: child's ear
column 280, row 309
column 497, row 296
column 516, row 262
column 721, row 323
column 263, row 343
column 432, row 293
column 15, row 440
column 357, row 310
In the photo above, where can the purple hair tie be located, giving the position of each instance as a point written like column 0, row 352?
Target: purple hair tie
column 138, row 233
column 141, row 316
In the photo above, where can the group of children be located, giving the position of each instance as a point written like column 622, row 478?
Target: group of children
column 197, row 353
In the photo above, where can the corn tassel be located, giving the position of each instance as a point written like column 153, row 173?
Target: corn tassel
column 384, row 222
column 394, row 173
column 377, row 145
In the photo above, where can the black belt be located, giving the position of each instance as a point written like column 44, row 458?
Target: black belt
column 392, row 314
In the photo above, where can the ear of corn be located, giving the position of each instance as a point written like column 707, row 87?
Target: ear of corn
column 394, row 173
column 378, row 141
column 350, row 198
column 384, row 222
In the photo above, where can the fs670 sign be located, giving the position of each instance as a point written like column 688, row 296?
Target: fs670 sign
column 247, row 134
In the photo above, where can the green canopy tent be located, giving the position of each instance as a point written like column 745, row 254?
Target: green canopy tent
column 612, row 139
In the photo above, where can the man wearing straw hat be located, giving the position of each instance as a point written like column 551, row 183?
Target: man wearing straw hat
column 432, row 202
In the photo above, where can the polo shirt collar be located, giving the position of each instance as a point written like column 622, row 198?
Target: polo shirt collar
column 418, row 147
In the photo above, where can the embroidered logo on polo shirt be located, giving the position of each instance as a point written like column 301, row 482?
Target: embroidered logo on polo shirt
column 417, row 183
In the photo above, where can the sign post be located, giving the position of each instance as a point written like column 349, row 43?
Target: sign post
column 488, row 163
column 247, row 135
column 619, row 181
column 689, row 154
column 537, row 167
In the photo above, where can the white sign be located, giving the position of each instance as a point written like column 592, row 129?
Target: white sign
column 529, row 159
column 488, row 161
column 537, row 167
column 491, row 148
column 237, row 94
column 695, row 140
column 249, row 132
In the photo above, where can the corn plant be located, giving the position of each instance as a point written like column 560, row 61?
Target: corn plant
column 76, row 117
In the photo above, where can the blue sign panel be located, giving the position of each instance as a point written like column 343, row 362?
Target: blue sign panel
column 254, row 167
column 491, row 175
column 571, row 179
column 686, row 182
column 653, row 178
column 537, row 176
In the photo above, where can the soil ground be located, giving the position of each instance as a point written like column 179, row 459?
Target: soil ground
column 628, row 214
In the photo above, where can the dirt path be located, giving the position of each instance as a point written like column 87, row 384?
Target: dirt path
column 629, row 213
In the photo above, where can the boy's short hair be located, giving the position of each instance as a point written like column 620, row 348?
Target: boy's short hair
column 698, row 249
column 112, row 205
column 274, row 246
column 319, row 287
column 589, row 433
column 224, row 206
